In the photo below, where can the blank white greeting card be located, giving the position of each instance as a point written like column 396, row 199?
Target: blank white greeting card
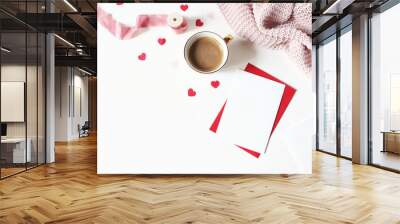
column 250, row 111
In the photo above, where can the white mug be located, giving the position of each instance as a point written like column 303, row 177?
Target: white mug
column 222, row 44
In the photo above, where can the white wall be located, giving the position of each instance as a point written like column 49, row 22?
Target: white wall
column 62, row 81
column 17, row 73
column 81, row 84
column 71, row 102
column 12, row 73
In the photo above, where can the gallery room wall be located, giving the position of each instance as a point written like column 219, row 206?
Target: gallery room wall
column 71, row 102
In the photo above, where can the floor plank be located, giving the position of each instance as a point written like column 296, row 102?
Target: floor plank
column 70, row 191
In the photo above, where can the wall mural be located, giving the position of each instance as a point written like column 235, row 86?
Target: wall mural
column 204, row 88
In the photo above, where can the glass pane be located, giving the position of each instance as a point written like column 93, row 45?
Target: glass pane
column 32, row 90
column 31, row 100
column 346, row 94
column 385, row 114
column 41, row 98
column 13, row 88
column 22, row 89
column 327, row 96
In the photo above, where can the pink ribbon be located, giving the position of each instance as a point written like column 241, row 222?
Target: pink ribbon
column 126, row 32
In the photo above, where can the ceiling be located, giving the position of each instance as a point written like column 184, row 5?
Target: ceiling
column 76, row 25
column 75, row 22
column 332, row 15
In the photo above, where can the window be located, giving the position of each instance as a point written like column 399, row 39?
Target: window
column 385, row 89
column 327, row 96
column 334, row 106
column 346, row 93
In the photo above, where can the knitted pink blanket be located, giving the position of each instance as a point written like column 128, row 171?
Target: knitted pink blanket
column 274, row 25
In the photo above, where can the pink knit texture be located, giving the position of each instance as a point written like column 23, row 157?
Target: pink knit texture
column 274, row 25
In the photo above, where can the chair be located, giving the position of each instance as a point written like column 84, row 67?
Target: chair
column 84, row 130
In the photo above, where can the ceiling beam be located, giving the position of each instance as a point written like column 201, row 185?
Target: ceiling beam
column 337, row 7
column 82, row 61
column 84, row 24
column 320, row 22
column 49, row 22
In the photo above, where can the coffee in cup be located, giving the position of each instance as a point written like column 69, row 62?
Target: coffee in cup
column 206, row 52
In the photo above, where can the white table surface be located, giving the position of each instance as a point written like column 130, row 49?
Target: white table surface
column 19, row 148
column 147, row 124
column 12, row 140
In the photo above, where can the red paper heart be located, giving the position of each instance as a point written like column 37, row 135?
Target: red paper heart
column 215, row 83
column 199, row 22
column 161, row 41
column 184, row 7
column 191, row 92
column 142, row 56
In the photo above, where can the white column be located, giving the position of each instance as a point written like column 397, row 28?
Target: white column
column 314, row 88
column 360, row 90
column 50, row 100
column 50, row 92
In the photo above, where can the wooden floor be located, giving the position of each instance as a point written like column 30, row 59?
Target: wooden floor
column 5, row 172
column 386, row 159
column 69, row 191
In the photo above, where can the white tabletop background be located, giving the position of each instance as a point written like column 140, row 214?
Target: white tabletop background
column 148, row 125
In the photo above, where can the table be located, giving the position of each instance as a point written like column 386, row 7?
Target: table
column 13, row 150
column 391, row 141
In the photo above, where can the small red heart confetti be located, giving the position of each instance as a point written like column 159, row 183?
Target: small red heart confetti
column 184, row 7
column 161, row 41
column 199, row 22
column 215, row 83
column 142, row 56
column 191, row 92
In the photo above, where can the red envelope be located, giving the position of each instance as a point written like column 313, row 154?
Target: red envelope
column 287, row 96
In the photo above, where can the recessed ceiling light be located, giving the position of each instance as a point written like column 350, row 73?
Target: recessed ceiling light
column 64, row 40
column 84, row 71
column 70, row 5
column 337, row 7
column 5, row 50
